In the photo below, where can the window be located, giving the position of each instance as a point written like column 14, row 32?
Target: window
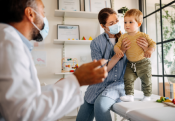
column 159, row 24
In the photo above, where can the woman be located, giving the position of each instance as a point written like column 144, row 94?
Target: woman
column 100, row 97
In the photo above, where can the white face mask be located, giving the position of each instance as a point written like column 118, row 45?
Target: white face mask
column 44, row 32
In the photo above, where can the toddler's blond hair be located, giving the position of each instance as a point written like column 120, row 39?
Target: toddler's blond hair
column 135, row 13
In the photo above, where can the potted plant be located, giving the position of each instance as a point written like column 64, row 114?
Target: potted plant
column 123, row 10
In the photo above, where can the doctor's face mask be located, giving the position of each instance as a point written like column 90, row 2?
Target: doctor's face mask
column 43, row 32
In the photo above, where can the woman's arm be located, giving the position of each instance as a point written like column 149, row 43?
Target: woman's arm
column 112, row 62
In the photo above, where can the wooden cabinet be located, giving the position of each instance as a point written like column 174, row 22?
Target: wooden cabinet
column 169, row 89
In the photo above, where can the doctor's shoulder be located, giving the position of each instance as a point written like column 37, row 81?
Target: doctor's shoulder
column 9, row 35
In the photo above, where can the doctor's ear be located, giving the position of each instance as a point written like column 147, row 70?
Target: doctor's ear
column 30, row 14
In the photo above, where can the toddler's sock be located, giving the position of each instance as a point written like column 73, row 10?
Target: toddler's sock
column 146, row 98
column 127, row 98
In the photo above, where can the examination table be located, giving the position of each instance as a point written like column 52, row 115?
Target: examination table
column 144, row 111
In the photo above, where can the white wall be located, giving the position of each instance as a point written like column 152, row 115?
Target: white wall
column 128, row 3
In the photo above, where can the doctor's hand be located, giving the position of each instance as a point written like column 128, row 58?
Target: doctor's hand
column 91, row 73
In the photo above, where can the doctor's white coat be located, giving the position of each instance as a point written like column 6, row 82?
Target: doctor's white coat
column 21, row 97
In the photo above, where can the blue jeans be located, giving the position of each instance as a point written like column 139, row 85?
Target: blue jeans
column 100, row 110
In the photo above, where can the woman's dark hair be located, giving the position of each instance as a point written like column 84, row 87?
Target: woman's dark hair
column 13, row 10
column 103, row 16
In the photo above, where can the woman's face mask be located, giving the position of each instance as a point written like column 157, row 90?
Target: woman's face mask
column 115, row 29
column 44, row 32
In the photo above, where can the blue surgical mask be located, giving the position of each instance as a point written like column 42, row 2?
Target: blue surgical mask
column 44, row 32
column 114, row 29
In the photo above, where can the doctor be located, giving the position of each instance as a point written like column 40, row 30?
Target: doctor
column 21, row 97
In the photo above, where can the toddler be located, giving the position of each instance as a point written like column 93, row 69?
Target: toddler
column 137, row 65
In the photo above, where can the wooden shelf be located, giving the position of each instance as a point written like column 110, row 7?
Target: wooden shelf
column 68, row 73
column 73, row 42
column 76, row 14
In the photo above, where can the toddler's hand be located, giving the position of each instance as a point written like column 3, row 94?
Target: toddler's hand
column 148, row 54
column 119, row 53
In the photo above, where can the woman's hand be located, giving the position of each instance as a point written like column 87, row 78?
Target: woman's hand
column 125, row 45
column 143, row 43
